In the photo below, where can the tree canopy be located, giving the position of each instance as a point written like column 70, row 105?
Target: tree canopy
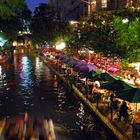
column 45, row 27
column 9, row 8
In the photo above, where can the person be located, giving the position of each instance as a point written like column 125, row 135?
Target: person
column 97, row 83
column 115, row 106
column 94, row 89
column 123, row 111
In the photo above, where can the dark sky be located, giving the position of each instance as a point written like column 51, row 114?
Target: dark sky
column 34, row 3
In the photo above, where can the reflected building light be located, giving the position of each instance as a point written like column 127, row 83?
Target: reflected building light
column 37, row 61
column 25, row 60
column 25, row 74
column 15, row 51
column 38, row 67
column 80, row 114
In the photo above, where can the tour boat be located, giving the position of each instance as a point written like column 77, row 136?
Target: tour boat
column 19, row 128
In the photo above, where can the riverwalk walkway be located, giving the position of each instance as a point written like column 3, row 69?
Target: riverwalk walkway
column 122, row 129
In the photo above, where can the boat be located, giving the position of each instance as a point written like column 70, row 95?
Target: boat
column 27, row 127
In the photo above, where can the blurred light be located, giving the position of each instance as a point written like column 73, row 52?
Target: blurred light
column 73, row 22
column 60, row 46
column 125, row 20
column 37, row 61
column 21, row 44
column 14, row 43
column 2, row 41
column 91, row 51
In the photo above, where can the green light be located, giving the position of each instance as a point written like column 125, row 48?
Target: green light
column 1, row 39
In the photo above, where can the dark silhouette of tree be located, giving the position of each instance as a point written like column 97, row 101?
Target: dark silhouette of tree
column 45, row 27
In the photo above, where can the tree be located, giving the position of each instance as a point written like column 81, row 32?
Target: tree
column 45, row 27
column 136, row 3
column 10, row 8
column 41, row 24
column 127, row 36
column 11, row 26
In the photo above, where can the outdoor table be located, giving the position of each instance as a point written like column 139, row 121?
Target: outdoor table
column 136, row 124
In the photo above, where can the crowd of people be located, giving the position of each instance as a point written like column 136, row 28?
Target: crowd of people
column 91, row 90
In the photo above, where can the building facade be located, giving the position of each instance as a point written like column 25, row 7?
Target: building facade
column 75, row 9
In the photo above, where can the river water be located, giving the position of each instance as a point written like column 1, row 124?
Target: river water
column 28, row 85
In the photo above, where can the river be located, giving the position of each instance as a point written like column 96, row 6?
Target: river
column 28, row 85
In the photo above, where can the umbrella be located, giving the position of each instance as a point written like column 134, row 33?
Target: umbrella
column 87, row 74
column 103, row 77
column 84, row 67
column 81, row 68
column 130, row 95
column 65, row 59
column 91, row 67
column 72, row 62
column 116, row 85
column 59, row 56
column 79, row 63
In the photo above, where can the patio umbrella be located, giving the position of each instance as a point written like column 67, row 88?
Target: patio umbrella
column 79, row 63
column 59, row 56
column 130, row 95
column 104, row 77
column 87, row 74
column 65, row 59
column 72, row 62
column 91, row 67
column 116, row 85
column 81, row 68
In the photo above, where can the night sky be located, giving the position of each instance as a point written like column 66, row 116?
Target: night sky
column 34, row 3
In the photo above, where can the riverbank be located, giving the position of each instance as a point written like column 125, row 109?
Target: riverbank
column 121, row 130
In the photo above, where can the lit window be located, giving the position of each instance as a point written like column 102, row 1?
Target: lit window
column 104, row 3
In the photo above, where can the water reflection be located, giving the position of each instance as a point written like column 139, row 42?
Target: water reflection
column 25, row 72
column 80, row 115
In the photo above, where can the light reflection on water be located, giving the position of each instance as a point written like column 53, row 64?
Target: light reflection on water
column 28, row 85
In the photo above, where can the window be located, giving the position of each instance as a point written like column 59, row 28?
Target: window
column 104, row 3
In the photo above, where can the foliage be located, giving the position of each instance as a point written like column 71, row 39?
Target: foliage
column 10, row 8
column 94, row 34
column 136, row 3
column 106, row 33
column 127, row 37
column 11, row 26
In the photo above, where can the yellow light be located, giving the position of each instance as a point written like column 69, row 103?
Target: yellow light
column 14, row 43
